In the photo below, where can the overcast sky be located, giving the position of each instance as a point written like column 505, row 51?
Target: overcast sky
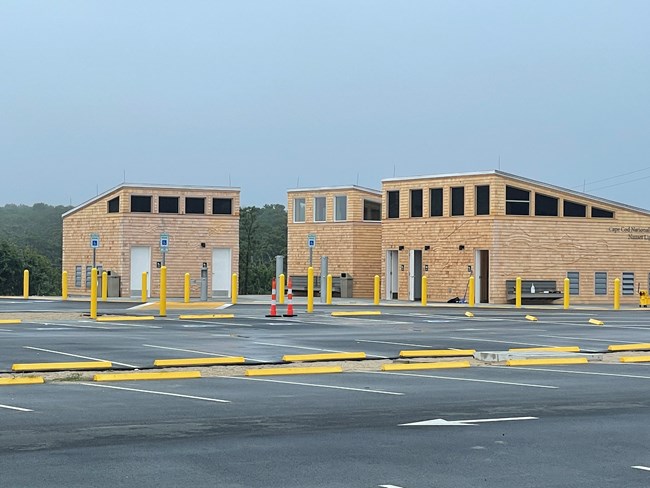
column 272, row 94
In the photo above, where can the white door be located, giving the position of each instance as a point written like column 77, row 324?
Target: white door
column 140, row 262
column 221, row 272
column 392, row 276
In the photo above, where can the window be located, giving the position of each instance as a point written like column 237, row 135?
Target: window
column 483, row 200
column 320, row 209
column 574, row 282
column 222, row 206
column 628, row 283
column 298, row 209
column 435, row 202
column 88, row 274
column 573, row 209
column 140, row 203
column 371, row 210
column 416, row 203
column 341, row 208
column 517, row 201
column 194, row 205
column 114, row 205
column 393, row 204
column 458, row 200
column 545, row 205
column 601, row 213
column 168, row 205
column 77, row 276
column 600, row 281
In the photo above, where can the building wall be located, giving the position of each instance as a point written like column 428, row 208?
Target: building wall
column 533, row 247
column 120, row 231
column 352, row 247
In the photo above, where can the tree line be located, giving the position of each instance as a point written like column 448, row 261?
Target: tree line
column 31, row 238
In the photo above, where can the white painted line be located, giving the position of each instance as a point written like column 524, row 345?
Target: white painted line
column 472, row 380
column 206, row 353
column 52, row 328
column 394, row 343
column 608, row 341
column 643, row 468
column 136, row 326
column 220, row 323
column 500, row 342
column 78, row 326
column 519, row 368
column 312, row 349
column 9, row 407
column 315, row 385
column 443, row 422
column 389, row 486
column 78, row 356
column 163, row 393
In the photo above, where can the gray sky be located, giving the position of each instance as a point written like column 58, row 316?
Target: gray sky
column 270, row 94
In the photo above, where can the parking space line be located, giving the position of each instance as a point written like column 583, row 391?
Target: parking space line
column 393, row 343
column 78, row 356
column 312, row 348
column 19, row 409
column 163, row 393
column 609, row 341
column 472, row 380
column 642, row 468
column 205, row 323
column 592, row 373
column 500, row 342
column 74, row 326
column 315, row 385
column 207, row 353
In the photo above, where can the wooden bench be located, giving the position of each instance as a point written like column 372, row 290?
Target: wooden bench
column 545, row 290
column 299, row 284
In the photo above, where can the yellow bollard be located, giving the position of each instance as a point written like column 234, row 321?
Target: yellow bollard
column 328, row 298
column 424, row 291
column 104, row 286
column 617, row 294
column 163, row 291
column 518, row 292
column 281, row 290
column 144, row 286
column 64, row 285
column 93, row 293
column 310, row 289
column 377, row 288
column 186, row 289
column 235, row 288
column 471, row 291
column 26, row 284
column 567, row 292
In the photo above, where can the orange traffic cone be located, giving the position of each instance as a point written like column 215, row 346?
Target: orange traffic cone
column 274, row 311
column 289, row 300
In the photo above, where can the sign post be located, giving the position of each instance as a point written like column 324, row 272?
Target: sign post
column 311, row 244
column 94, row 244
column 164, row 246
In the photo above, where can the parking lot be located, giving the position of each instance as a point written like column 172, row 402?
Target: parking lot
column 486, row 425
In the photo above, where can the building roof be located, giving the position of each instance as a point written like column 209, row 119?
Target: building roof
column 522, row 179
column 336, row 188
column 123, row 186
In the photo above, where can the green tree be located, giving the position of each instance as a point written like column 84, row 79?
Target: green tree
column 43, row 277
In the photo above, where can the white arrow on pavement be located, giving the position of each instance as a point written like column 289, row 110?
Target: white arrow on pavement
column 443, row 422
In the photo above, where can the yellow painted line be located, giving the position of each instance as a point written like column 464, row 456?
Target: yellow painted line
column 282, row 371
column 436, row 353
column 208, row 316
column 124, row 318
column 10, row 321
column 61, row 366
column 198, row 361
column 630, row 347
column 352, row 314
column 184, row 306
column 544, row 362
column 551, row 349
column 177, row 375
column 324, row 357
column 32, row 380
column 469, row 314
column 438, row 365
column 635, row 359
column 596, row 322
column 532, row 318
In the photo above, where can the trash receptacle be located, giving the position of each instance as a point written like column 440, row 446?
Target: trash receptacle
column 113, row 285
column 346, row 285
